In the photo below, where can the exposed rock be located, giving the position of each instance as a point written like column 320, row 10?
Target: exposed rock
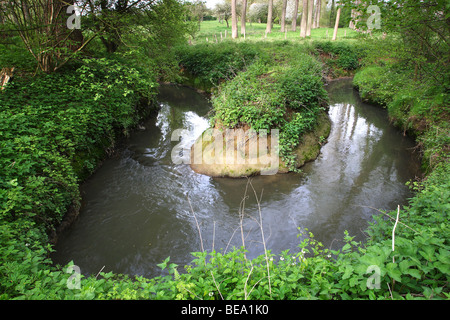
column 242, row 158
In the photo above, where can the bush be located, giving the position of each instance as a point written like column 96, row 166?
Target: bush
column 342, row 55
column 302, row 85
column 211, row 63
column 285, row 93
column 54, row 130
column 378, row 84
column 417, row 107
column 250, row 98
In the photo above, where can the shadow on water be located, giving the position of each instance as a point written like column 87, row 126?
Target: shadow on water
column 136, row 212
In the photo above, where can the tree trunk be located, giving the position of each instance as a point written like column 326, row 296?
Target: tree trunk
column 234, row 28
column 294, row 19
column 243, row 16
column 316, row 23
column 269, row 17
column 310, row 17
column 336, row 24
column 283, row 16
column 303, row 22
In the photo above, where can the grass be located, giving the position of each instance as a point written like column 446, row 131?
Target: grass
column 212, row 30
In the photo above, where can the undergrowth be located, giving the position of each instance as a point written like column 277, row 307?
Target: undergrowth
column 48, row 123
column 54, row 130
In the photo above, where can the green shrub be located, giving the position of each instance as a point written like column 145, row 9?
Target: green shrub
column 15, row 55
column 270, row 94
column 342, row 54
column 301, row 84
column 211, row 63
column 54, row 129
column 250, row 98
column 378, row 84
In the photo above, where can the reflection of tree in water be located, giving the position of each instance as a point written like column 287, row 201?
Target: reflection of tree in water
column 135, row 202
column 185, row 99
column 368, row 155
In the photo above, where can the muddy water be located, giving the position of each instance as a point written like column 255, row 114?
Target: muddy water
column 139, row 207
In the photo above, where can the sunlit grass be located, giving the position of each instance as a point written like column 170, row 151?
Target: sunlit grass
column 214, row 31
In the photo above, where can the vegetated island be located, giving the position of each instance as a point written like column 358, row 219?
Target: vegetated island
column 271, row 96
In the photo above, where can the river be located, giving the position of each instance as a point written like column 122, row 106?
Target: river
column 140, row 208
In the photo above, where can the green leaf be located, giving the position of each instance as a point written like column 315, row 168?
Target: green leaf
column 393, row 271
column 348, row 272
column 428, row 253
column 353, row 281
column 163, row 265
column 442, row 267
column 346, row 247
column 404, row 265
column 413, row 272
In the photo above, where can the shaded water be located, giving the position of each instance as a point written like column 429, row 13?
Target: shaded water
column 138, row 207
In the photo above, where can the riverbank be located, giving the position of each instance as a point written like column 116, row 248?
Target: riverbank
column 56, row 129
column 273, row 89
column 405, row 256
column 415, row 266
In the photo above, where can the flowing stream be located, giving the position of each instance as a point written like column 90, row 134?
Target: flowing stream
column 140, row 208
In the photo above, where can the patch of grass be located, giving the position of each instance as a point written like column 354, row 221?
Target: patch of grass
column 257, row 32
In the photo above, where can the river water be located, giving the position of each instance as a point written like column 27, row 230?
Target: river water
column 140, row 208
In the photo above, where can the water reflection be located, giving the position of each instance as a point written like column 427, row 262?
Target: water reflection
column 138, row 208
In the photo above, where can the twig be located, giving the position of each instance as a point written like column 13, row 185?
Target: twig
column 245, row 285
column 257, row 283
column 196, row 222
column 241, row 215
column 215, row 283
column 231, row 238
column 393, row 232
column 391, row 218
column 262, row 235
column 392, row 298
column 99, row 272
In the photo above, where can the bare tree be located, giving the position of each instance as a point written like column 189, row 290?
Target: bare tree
column 336, row 24
column 304, row 17
column 294, row 17
column 283, row 16
column 310, row 17
column 234, row 28
column 223, row 11
column 269, row 17
column 316, row 19
column 42, row 26
column 243, row 16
